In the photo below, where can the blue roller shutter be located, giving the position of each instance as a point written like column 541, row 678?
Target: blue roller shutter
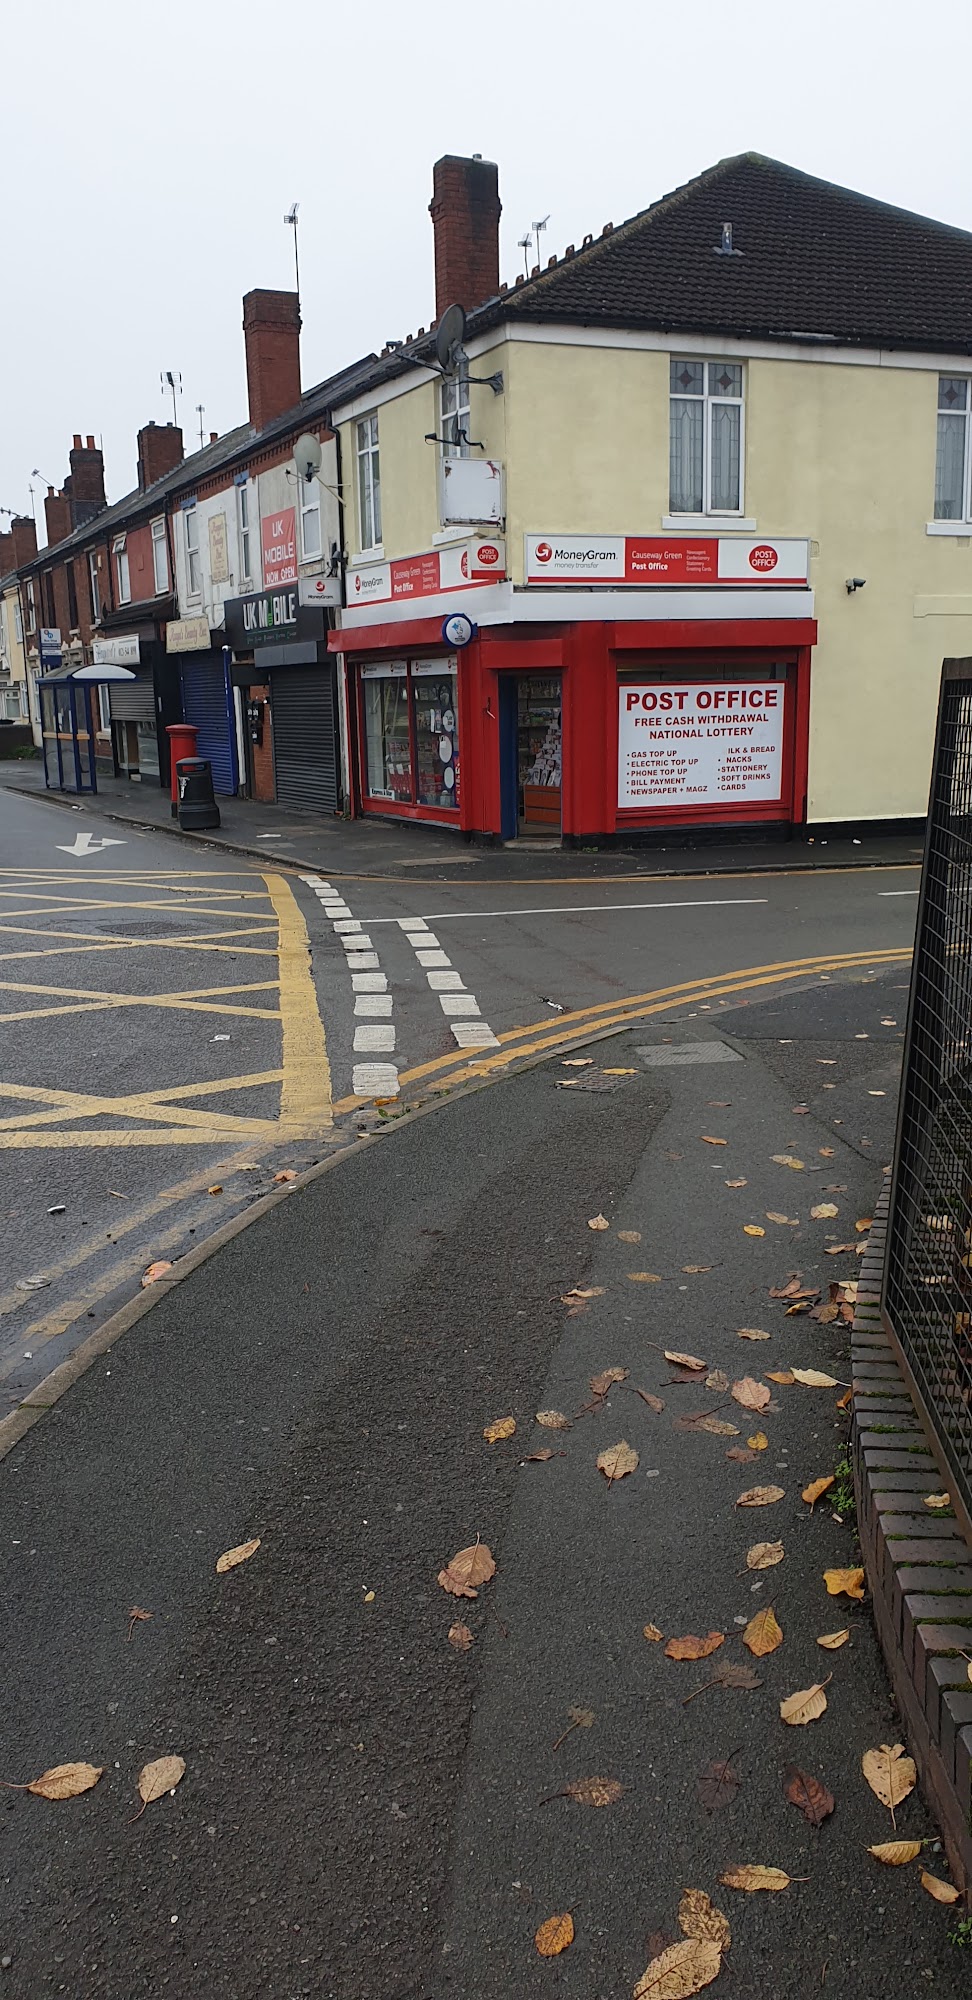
column 207, row 701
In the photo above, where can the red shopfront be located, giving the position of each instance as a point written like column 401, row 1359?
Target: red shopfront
column 590, row 729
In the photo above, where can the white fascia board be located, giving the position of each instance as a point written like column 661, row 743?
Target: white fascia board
column 554, row 335
column 504, row 604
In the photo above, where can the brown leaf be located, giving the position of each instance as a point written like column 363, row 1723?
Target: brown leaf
column 740, row 1455
column 576, row 1062
column 844, row 1401
column 896, row 1853
column 578, row 1292
column 629, row 1236
column 764, row 1555
column 788, row 1221
column 693, row 1648
column 218, row 1189
column 729, row 1675
column 752, row 1395
column 467, row 1570
column 823, row 1211
column 601, row 1383
column 791, row 1290
column 617, row 1461
column 812, row 1378
column 938, row 1500
column 817, row 1487
column 718, row 1380
column 232, row 1558
column 159, row 1777
column 737, row 1184
column 540, row 1457
column 680, row 1971
column 827, row 1152
column 643, row 1277
column 503, row 1427
column 553, row 1420
column 807, row 1705
column 781, row 1375
column 943, row 1892
column 787, row 1160
column 285, row 1174
column 717, row 1785
column 651, row 1632
column 714, row 1425
column 155, row 1271
column 654, row 1402
column 599, row 1222
column 890, row 1774
column 758, row 1442
column 752, row 1333
column 65, row 1781
column 753, row 1229
column 554, row 1935
column 750, row 1875
column 763, row 1634
column 707, row 1140
column 832, row 1641
column 696, row 1270
column 844, row 1583
column 863, row 1224
column 684, row 1360
column 460, row 1637
column 594, row 1791
column 137, row 1616
column 839, row 1249
column 808, row 1794
column 699, row 1918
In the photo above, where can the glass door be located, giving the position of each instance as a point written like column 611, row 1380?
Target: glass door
column 538, row 745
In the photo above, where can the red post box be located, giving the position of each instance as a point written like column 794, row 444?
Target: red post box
column 182, row 743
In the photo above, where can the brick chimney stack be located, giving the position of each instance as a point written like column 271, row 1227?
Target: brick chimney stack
column 85, row 485
column 465, row 210
column 57, row 513
column 7, row 561
column 271, row 332
column 160, row 450
column 23, row 534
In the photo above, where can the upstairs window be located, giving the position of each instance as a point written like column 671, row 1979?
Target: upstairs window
column 953, row 501
column 310, row 519
column 72, row 597
column 455, row 413
column 193, row 570
column 243, row 521
column 369, row 484
column 706, row 435
column 30, row 605
column 120, row 553
column 95, row 588
column 160, row 557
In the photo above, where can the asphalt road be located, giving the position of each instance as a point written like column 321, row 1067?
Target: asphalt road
column 362, row 1812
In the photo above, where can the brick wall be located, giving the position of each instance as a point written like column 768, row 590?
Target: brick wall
column 261, row 754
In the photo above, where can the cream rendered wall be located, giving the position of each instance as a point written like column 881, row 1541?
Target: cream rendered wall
column 410, row 466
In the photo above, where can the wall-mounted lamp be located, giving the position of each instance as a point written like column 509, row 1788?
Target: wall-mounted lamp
column 855, row 583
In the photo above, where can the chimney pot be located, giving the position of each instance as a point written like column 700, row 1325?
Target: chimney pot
column 77, row 440
column 271, row 334
column 86, row 485
column 214, row 437
column 90, row 443
column 465, row 210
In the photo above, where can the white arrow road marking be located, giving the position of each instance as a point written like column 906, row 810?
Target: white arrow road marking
column 89, row 843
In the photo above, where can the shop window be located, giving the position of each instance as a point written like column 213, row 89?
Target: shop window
column 411, row 733
column 953, row 501
column 160, row 557
column 369, row 484
column 120, row 553
column 706, row 437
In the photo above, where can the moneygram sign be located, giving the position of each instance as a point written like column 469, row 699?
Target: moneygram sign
column 664, row 559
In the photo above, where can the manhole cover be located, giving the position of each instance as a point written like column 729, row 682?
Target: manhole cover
column 675, row 1053
column 593, row 1082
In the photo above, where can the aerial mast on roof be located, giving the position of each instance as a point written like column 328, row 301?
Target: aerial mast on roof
column 171, row 385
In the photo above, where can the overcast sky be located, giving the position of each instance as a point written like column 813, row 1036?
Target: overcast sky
column 149, row 156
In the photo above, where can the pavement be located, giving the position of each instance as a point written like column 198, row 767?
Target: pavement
column 367, row 1811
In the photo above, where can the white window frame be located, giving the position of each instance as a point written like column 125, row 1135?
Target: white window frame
column 160, row 556
column 122, row 572
column 955, row 523
column 455, row 407
column 369, row 483
column 18, row 622
column 104, row 704
column 31, row 605
column 94, row 586
column 711, row 402
column 190, row 519
column 244, row 529
column 310, row 510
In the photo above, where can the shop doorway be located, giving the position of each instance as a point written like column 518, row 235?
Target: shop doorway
column 531, row 756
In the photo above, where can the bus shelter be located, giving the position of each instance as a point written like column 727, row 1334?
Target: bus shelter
column 68, row 725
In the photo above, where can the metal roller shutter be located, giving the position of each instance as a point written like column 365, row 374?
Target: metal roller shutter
column 205, row 703
column 132, row 701
column 303, row 703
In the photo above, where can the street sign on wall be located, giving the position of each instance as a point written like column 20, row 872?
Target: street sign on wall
column 700, row 743
column 664, row 559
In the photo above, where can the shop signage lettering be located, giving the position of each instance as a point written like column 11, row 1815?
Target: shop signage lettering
column 264, row 616
column 279, row 535
column 120, row 652
column 428, row 574
column 712, row 743
column 664, row 559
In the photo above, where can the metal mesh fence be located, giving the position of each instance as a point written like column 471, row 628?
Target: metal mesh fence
column 928, row 1269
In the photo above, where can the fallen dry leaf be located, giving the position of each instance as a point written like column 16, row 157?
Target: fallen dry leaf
column 764, row 1555
column 832, row 1641
column 576, row 1062
column 155, row 1271
column 735, row 1184
column 752, row 1333
column 824, row 1211
column 753, row 1229
column 600, row 1384
column 581, row 1292
column 863, row 1224
column 460, row 1637
column 717, row 1785
column 467, row 1570
column 592, row 1791
column 503, row 1427
column 553, row 1420
column 644, row 1277
column 554, row 1935
column 136, row 1616
column 781, row 1375
column 654, row 1402
column 64, row 1781
column 816, row 1487
column 580, row 1718
column 751, row 1394
column 890, row 1774
column 729, row 1675
column 285, row 1174
column 839, row 1249
column 232, row 1558
column 714, row 1425
column 807, row 1705
column 542, row 1456
column 617, row 1461
column 699, row 1918
column 844, row 1583
column 685, row 1968
column 758, row 1442
column 684, row 1360
column 763, row 1634
column 787, row 1160
column 808, row 1794
column 159, row 1777
column 750, row 1875
column 943, row 1892
column 651, row 1632
column 760, row 1496
column 937, row 1500
column 707, row 1140
column 691, row 1647
column 629, row 1236
column 696, row 1270
column 827, row 1152
column 740, row 1455
column 812, row 1378
column 896, row 1853
column 788, row 1221
column 598, row 1222
column 718, row 1380
column 218, row 1189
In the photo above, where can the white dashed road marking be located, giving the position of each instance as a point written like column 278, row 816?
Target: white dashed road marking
column 374, row 1033
column 457, row 1005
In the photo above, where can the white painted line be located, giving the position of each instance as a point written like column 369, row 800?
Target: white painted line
column 374, row 1041
column 458, row 1003
column 408, row 923
column 345, row 925
column 445, row 982
column 580, row 909
column 373, row 1006
column 368, row 982
column 474, row 1035
column 375, row 1080
column 315, row 881
column 897, row 892
column 363, row 961
column 355, row 941
column 333, row 910
column 440, row 958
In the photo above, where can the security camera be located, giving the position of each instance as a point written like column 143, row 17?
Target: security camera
column 855, row 583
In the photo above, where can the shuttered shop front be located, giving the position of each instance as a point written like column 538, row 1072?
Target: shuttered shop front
column 207, row 702
column 303, row 704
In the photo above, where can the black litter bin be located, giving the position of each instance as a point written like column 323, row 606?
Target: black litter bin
column 197, row 802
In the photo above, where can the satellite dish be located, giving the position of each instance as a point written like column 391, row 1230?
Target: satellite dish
column 449, row 336
column 308, row 456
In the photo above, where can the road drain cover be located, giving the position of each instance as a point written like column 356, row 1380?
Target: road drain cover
column 671, row 1054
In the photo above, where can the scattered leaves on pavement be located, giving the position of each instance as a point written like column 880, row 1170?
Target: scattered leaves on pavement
column 896, row 1853
column 155, row 1271
column 943, row 1892
column 890, row 1774
column 579, row 1294
column 823, row 1211
column 763, row 1634
column 785, row 1221
column 812, row 1378
column 699, row 1918
column 844, row 1583
column 136, row 1616
column 598, row 1222
column 589, row 1792
column 813, row 1492
column 758, row 1442
column 576, row 1062
column 503, row 1427
column 707, row 1140
column 62, row 1781
column 651, row 1632
column 807, row 1705
column 718, row 1380
column 740, row 1455
column 155, row 1779
column 460, row 1637
column 691, row 1647
column 750, row 1875
column 644, row 1277
column 579, row 1718
column 654, row 1402
column 752, row 1395
column 232, row 1558
column 714, row 1425
column 285, row 1174
column 696, row 1270
column 617, row 1461
column 781, row 1375
column 832, row 1641
column 218, row 1189
column 752, row 1333
column 542, row 1456
column 808, row 1794
column 685, row 1968
column 467, row 1569
column 629, row 1236
column 764, row 1555
column 760, row 1496
column 600, row 1384
column 717, row 1785
column 788, row 1160
column 937, row 1500
column 737, row 1184
column 554, row 1935
column 753, row 1229
column 684, row 1360
column 553, row 1420
column 730, row 1675
column 863, row 1224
